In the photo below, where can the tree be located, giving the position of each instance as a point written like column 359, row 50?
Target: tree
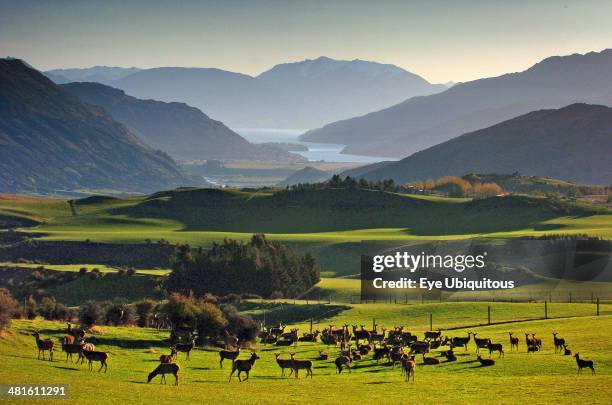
column 8, row 308
column 144, row 312
column 30, row 308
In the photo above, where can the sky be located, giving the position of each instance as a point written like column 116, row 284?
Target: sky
column 440, row 40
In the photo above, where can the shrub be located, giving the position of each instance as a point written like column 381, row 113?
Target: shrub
column 243, row 326
column 30, row 308
column 8, row 308
column 131, row 271
column 144, row 311
column 210, row 320
column 82, row 271
column 120, row 313
column 92, row 313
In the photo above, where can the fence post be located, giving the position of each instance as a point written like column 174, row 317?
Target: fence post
column 597, row 306
column 489, row 314
column 430, row 321
column 545, row 310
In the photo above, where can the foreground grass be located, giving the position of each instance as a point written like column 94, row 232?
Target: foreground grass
column 538, row 378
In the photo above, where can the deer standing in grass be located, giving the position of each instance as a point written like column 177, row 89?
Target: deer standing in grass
column 559, row 342
column 163, row 369
column 243, row 365
column 584, row 364
column 514, row 342
column 297, row 365
column 43, row 346
column 184, row 347
column 92, row 356
column 409, row 367
column 283, row 364
column 228, row 354
column 71, row 348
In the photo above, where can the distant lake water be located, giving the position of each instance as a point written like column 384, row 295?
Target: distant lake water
column 316, row 151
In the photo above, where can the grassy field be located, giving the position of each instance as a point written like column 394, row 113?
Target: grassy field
column 543, row 377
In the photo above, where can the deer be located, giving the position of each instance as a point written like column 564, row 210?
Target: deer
column 323, row 355
column 343, row 361
column 481, row 343
column 566, row 351
column 485, row 362
column 168, row 358
column 431, row 360
column 559, row 342
column 380, row 352
column 409, row 367
column 163, row 369
column 228, row 354
column 496, row 347
column 71, row 348
column 584, row 364
column 419, row 348
column 78, row 334
column 243, row 365
column 283, row 364
column 377, row 337
column 460, row 341
column 92, row 356
column 309, row 337
column 536, row 341
column 360, row 333
column 433, row 335
column 531, row 347
column 450, row 355
column 184, row 347
column 514, row 341
column 297, row 365
column 43, row 346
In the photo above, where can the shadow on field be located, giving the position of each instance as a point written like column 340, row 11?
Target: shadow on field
column 137, row 382
column 67, row 368
column 201, row 368
column 378, row 382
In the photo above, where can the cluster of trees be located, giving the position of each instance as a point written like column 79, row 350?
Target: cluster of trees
column 9, row 309
column 454, row 186
column 262, row 267
column 349, row 183
column 209, row 316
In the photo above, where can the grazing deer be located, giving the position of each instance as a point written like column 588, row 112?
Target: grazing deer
column 163, row 369
column 283, row 364
column 343, row 361
column 184, row 347
column 485, row 362
column 71, row 348
column 559, row 342
column 228, row 354
column 243, row 365
column 43, row 346
column 297, row 365
column 409, row 367
column 514, row 342
column 496, row 347
column 92, row 356
column 584, row 364
column 566, row 351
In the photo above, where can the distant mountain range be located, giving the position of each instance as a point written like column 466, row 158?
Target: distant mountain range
column 572, row 143
column 99, row 74
column 306, row 175
column 304, row 94
column 184, row 132
column 421, row 122
column 52, row 142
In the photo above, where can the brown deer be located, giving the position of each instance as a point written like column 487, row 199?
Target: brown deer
column 485, row 362
column 531, row 347
column 496, row 347
column 230, row 340
column 78, row 334
column 92, row 356
column 431, row 360
column 514, row 342
column 343, row 361
column 185, row 348
column 566, row 351
column 481, row 343
column 433, row 334
column 409, row 367
column 360, row 333
column 43, row 346
column 460, row 341
column 71, row 348
column 243, row 365
column 228, row 354
column 168, row 358
column 559, row 342
column 584, row 364
column 297, row 365
column 163, row 369
column 537, row 342
column 323, row 355
column 283, row 364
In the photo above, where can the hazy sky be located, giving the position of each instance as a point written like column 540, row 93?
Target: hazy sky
column 440, row 40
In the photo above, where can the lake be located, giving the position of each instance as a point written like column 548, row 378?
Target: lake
column 316, row 151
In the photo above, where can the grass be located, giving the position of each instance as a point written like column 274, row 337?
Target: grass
column 542, row 377
column 76, row 267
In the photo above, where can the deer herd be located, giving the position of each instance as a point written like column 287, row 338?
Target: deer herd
column 397, row 347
